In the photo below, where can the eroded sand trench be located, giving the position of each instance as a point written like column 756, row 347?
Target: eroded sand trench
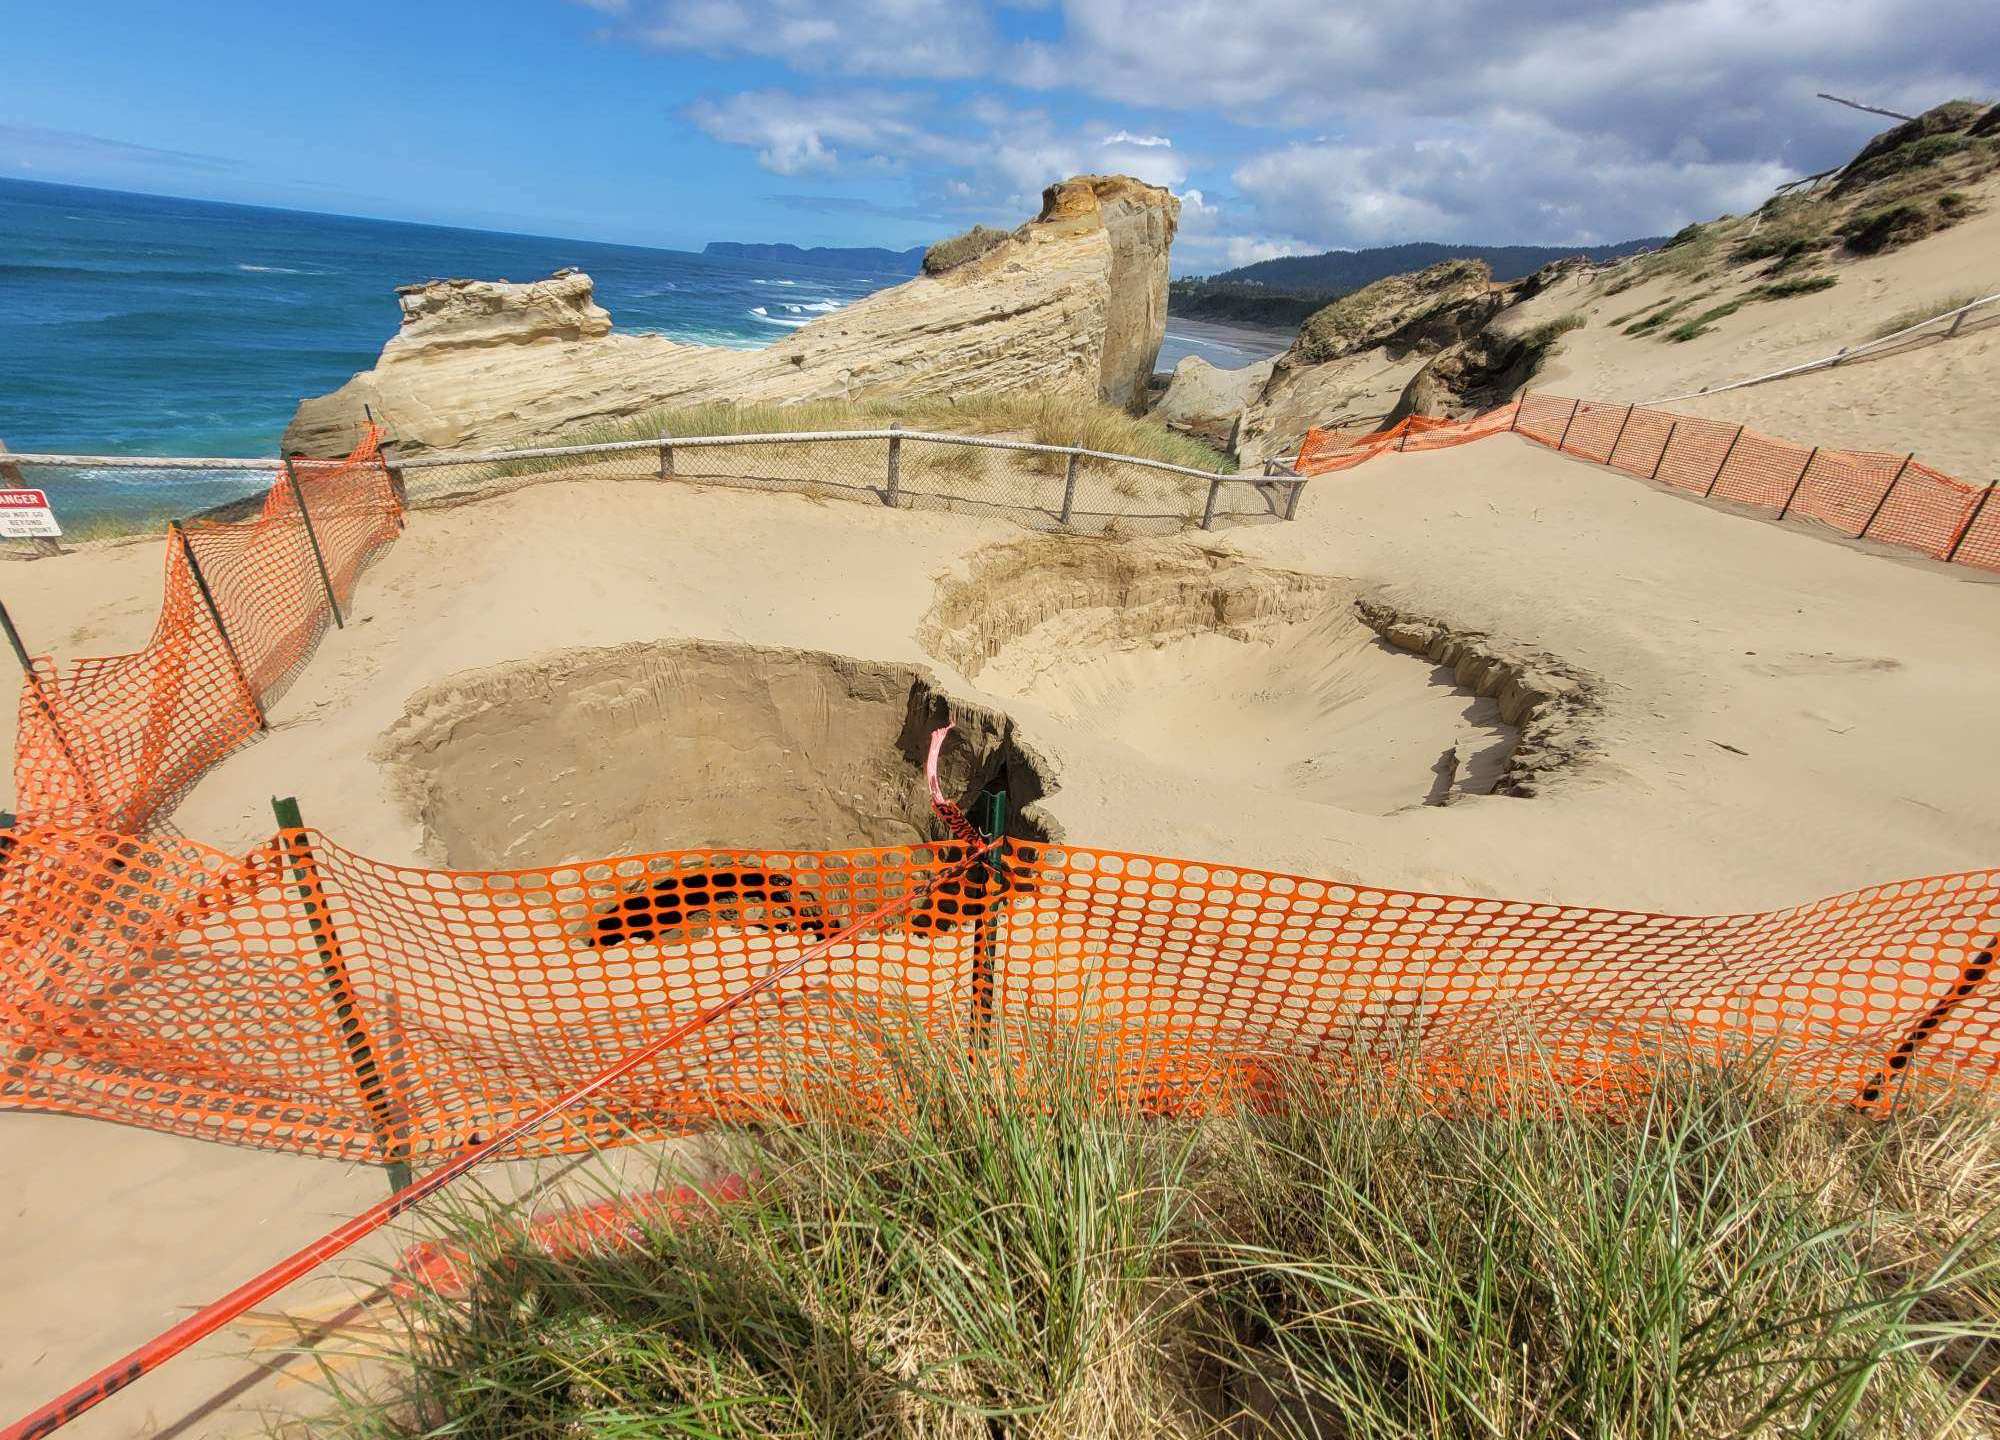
column 1192, row 661
column 1198, row 662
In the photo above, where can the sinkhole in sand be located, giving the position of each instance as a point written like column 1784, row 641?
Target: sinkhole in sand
column 688, row 744
column 1201, row 663
column 1191, row 663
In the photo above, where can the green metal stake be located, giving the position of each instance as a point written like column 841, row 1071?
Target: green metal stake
column 990, row 818
column 312, row 538
column 388, row 1117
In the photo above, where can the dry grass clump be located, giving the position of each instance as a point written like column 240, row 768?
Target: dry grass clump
column 1917, row 314
column 961, row 249
column 1060, row 419
column 996, row 1248
column 940, row 469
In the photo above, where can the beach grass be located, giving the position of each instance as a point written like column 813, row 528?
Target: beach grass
column 1918, row 314
column 1060, row 419
column 995, row 1248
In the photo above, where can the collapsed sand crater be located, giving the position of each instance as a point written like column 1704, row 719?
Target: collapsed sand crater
column 689, row 744
column 1205, row 664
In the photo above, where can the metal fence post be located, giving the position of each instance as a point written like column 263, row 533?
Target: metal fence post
column 1956, row 321
column 48, row 709
column 1574, row 406
column 1514, row 420
column 1970, row 521
column 311, row 535
column 990, row 818
column 387, row 1116
column 1786, row 508
column 1971, row 977
column 894, row 495
column 1069, row 487
column 1208, row 510
column 1665, row 445
column 215, row 614
column 666, row 458
column 1875, row 514
column 389, row 468
column 1613, row 451
column 1725, row 461
column 1292, row 499
column 398, row 486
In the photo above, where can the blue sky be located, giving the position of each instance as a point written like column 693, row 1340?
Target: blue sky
column 1284, row 125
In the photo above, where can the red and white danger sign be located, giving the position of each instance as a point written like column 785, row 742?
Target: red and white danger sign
column 25, row 515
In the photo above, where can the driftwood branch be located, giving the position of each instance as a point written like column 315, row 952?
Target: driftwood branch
column 1871, row 109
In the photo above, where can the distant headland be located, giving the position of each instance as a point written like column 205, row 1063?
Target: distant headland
column 870, row 258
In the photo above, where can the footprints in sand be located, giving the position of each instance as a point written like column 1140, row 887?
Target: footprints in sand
column 1800, row 664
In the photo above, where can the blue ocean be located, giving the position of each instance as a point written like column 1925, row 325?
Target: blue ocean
column 148, row 325
column 139, row 324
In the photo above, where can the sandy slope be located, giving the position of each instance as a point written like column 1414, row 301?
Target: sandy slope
column 1779, row 716
column 1935, row 398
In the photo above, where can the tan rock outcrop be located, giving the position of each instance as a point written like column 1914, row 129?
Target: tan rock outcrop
column 1206, row 400
column 1353, row 359
column 468, row 314
column 1075, row 300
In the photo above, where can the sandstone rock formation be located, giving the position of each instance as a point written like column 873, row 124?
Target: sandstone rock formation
column 1474, row 375
column 1401, row 312
column 1206, row 400
column 1493, row 363
column 468, row 314
column 1352, row 359
column 1075, row 300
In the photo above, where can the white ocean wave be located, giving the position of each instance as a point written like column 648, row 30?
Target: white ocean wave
column 699, row 335
column 760, row 313
column 774, row 282
column 816, row 307
column 275, row 270
column 131, row 479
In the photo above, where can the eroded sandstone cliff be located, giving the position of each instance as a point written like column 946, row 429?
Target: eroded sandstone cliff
column 1074, row 300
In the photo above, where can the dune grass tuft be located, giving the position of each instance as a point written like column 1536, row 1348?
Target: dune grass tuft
column 1059, row 419
column 998, row 1249
column 1918, row 314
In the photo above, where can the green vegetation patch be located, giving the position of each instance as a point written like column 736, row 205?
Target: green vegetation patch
column 1794, row 285
column 1660, row 316
column 962, row 249
column 1873, row 231
column 1545, row 335
column 1704, row 322
column 1000, row 1250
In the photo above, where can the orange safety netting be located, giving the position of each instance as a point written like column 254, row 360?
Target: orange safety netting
column 1895, row 499
column 305, row 998
column 114, row 742
column 1325, row 451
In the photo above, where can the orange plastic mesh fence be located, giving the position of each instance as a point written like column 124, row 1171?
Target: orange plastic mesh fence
column 113, row 742
column 306, row 998
column 1324, row 451
column 1895, row 499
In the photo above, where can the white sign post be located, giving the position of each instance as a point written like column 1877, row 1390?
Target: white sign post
column 25, row 515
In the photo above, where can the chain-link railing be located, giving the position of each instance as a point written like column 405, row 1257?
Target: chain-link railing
column 113, row 500
column 1053, row 487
